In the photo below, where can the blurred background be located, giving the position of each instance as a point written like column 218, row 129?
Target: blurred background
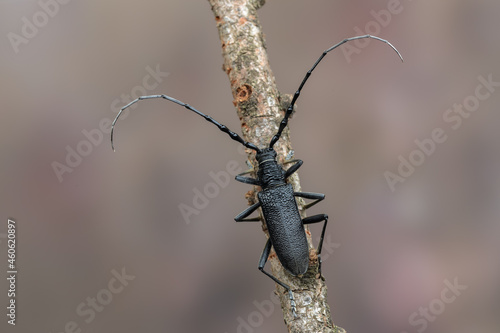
column 86, row 215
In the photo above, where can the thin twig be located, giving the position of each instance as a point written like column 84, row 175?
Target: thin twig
column 259, row 106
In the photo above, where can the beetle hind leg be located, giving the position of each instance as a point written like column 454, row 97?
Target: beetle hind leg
column 317, row 197
column 315, row 219
column 262, row 263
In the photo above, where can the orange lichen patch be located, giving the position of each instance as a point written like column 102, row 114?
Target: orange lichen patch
column 249, row 195
column 218, row 19
column 243, row 93
column 242, row 21
column 244, row 127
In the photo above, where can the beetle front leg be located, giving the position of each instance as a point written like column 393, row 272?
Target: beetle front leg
column 247, row 180
column 293, row 168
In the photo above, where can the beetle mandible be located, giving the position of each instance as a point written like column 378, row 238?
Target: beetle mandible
column 277, row 197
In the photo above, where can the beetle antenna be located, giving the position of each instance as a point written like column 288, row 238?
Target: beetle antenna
column 223, row 128
column 289, row 111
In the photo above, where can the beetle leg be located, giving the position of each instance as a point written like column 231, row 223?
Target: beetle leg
column 309, row 195
column 262, row 263
column 241, row 216
column 315, row 219
column 247, row 180
column 293, row 168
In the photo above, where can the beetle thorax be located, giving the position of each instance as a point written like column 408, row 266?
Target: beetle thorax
column 270, row 173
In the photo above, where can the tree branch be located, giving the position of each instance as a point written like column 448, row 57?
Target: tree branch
column 259, row 106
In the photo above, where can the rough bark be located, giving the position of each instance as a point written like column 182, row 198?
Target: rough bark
column 260, row 107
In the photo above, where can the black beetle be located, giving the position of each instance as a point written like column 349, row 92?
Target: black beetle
column 277, row 198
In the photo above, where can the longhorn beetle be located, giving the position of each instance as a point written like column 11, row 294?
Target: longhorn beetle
column 277, row 198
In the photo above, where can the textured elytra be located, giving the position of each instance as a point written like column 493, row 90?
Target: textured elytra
column 285, row 228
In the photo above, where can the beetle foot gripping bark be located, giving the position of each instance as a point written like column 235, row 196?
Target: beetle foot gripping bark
column 293, row 305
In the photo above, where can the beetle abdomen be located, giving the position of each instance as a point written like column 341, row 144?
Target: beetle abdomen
column 285, row 228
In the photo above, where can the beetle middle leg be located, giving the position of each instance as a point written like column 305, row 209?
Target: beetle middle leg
column 241, row 217
column 262, row 263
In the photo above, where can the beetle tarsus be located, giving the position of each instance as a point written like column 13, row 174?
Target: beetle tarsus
column 319, row 266
column 293, row 305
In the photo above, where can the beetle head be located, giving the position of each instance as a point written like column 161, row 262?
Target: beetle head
column 266, row 154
